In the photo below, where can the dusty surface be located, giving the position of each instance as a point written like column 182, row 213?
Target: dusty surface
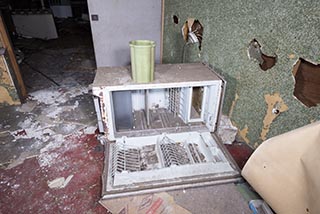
column 52, row 135
column 164, row 73
column 25, row 189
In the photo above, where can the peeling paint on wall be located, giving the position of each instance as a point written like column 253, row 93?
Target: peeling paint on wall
column 288, row 29
column 307, row 82
column 243, row 134
column 254, row 52
column 6, row 98
column 8, row 92
column 275, row 106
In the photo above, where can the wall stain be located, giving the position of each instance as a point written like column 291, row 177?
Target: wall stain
column 243, row 133
column 275, row 106
column 6, row 98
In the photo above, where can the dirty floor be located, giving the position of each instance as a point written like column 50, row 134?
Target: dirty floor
column 50, row 159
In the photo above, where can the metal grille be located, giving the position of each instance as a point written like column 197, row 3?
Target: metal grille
column 125, row 158
column 197, row 156
column 173, row 153
column 174, row 100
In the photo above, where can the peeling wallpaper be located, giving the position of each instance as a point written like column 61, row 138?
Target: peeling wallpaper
column 288, row 29
column 8, row 92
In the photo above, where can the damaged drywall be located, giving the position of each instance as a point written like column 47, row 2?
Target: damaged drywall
column 175, row 19
column 307, row 82
column 254, row 52
column 8, row 92
column 192, row 31
column 286, row 29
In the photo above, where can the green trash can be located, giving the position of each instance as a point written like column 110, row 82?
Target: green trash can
column 142, row 60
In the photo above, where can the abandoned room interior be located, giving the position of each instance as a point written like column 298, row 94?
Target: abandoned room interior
column 159, row 106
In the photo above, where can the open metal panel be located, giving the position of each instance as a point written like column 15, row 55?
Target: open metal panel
column 160, row 109
column 170, row 143
column 173, row 161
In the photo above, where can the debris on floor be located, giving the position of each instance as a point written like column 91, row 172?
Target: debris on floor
column 26, row 185
column 285, row 171
column 44, row 121
column 60, row 182
column 50, row 159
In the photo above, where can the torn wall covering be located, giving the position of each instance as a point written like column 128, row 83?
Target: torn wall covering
column 289, row 29
column 8, row 92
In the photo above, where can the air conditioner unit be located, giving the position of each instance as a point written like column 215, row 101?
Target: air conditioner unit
column 161, row 135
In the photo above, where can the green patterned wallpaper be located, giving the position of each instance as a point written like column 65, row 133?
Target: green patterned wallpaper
column 289, row 29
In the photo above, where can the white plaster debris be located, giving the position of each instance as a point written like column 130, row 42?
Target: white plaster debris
column 30, row 129
column 59, row 183
column 27, row 107
column 15, row 186
column 50, row 96
column 226, row 131
column 89, row 130
column 46, row 96
column 47, row 156
column 48, row 130
column 46, row 159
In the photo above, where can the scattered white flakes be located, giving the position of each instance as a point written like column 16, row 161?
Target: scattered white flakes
column 27, row 107
column 69, row 128
column 46, row 96
column 54, row 112
column 76, row 104
column 26, row 123
column 44, row 130
column 16, row 186
column 49, row 155
column 89, row 130
column 47, row 159
column 54, row 96
column 66, row 182
column 30, row 129
column 59, row 183
column 46, row 156
column 56, row 183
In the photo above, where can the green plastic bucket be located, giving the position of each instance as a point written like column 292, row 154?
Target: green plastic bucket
column 142, row 60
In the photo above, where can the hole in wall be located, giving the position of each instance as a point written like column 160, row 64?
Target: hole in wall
column 192, row 31
column 254, row 52
column 175, row 19
column 307, row 82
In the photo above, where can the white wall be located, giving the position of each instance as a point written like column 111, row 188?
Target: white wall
column 121, row 21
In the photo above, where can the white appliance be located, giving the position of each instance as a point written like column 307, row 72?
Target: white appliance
column 160, row 135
